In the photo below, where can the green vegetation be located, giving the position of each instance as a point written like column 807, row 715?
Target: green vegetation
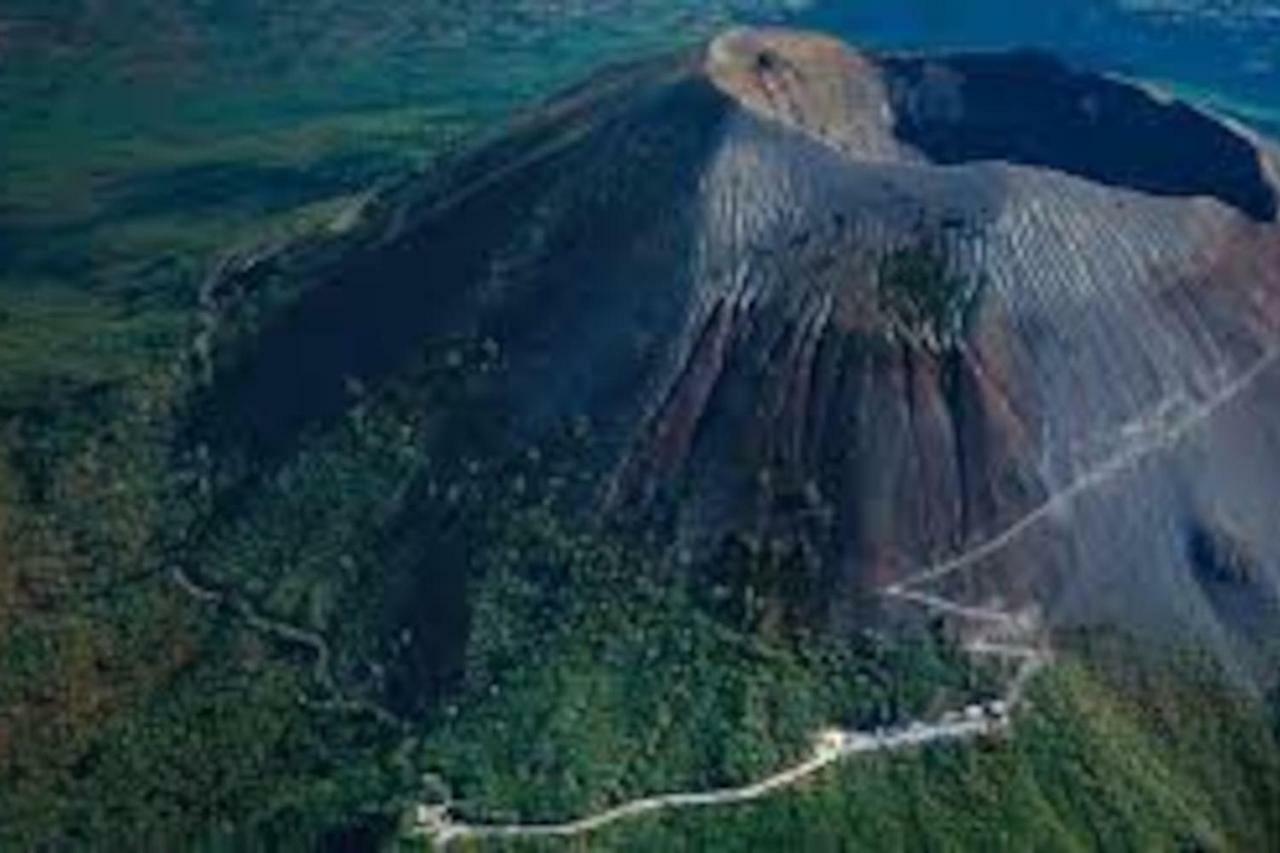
column 130, row 715
column 142, row 141
column 1169, row 758
column 927, row 302
column 595, row 669
column 594, row 676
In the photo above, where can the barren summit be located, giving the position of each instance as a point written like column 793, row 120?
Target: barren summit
column 978, row 327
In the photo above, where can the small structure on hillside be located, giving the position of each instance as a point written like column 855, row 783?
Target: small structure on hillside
column 829, row 741
column 429, row 820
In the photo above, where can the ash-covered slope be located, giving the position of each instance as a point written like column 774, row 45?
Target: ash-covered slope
column 978, row 324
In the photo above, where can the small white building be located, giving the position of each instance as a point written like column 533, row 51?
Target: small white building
column 430, row 820
column 830, row 740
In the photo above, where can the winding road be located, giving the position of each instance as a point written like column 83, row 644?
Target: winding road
column 436, row 824
column 291, row 634
column 1166, row 429
column 832, row 747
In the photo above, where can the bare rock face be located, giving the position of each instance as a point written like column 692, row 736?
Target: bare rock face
column 978, row 325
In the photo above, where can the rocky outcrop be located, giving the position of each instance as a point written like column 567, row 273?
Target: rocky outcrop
column 981, row 325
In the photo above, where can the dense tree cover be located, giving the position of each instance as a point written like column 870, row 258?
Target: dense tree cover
column 594, row 675
column 130, row 713
column 598, row 664
column 1273, row 706
column 1175, row 761
column 596, row 668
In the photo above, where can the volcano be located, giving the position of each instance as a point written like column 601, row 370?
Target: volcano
column 978, row 327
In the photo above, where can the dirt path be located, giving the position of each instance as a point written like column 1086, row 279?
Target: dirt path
column 292, row 634
column 1165, row 429
column 833, row 746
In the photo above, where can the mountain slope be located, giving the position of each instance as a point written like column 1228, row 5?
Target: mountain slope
column 852, row 302
column 725, row 398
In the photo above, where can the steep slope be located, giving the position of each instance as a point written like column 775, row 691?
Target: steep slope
column 967, row 326
column 733, row 303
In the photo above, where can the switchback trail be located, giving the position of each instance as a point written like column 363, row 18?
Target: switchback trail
column 831, row 746
column 1164, row 432
column 291, row 634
